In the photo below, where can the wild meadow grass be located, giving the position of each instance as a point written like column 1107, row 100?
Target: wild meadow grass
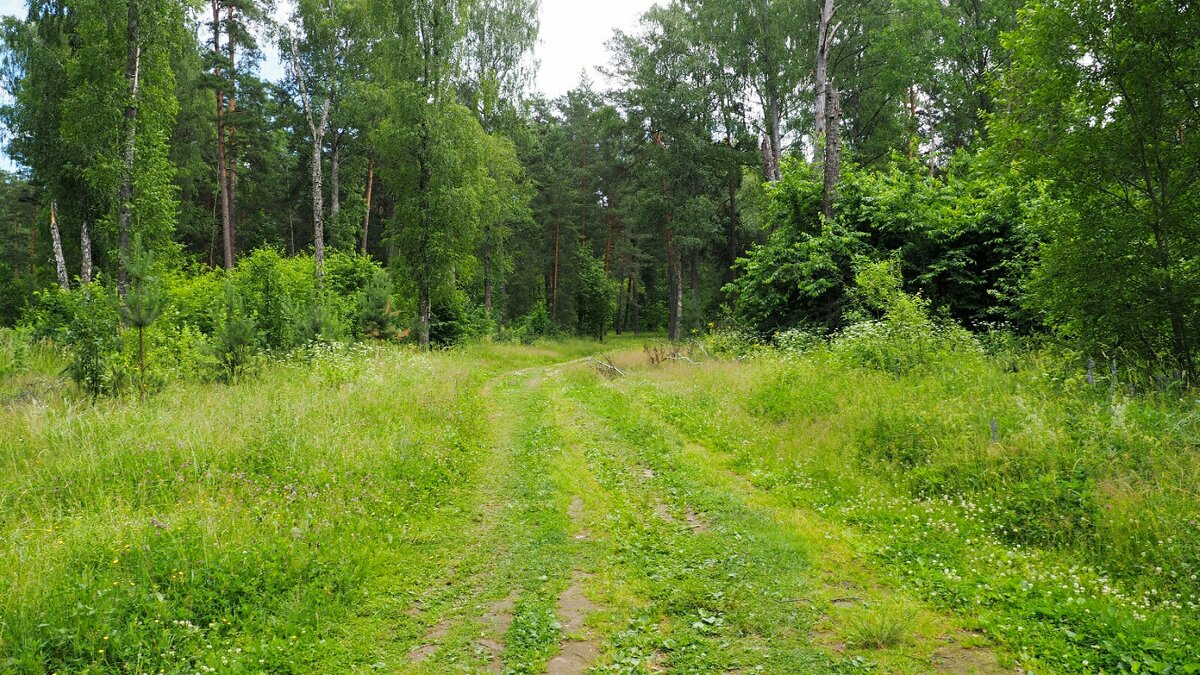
column 1061, row 511
column 289, row 522
column 226, row 527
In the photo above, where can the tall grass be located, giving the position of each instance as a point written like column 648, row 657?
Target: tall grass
column 228, row 527
column 1066, row 513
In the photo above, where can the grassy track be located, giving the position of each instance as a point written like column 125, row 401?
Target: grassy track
column 496, row 509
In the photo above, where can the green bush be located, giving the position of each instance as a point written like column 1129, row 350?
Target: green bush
column 534, row 325
column 904, row 337
column 50, row 314
column 15, row 348
column 233, row 344
column 319, row 323
column 375, row 318
column 92, row 339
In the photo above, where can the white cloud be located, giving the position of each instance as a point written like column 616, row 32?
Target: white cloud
column 574, row 34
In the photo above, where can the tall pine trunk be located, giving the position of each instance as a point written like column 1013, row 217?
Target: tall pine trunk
column 554, row 278
column 133, row 64
column 675, row 285
column 635, row 306
column 224, row 204
column 231, row 127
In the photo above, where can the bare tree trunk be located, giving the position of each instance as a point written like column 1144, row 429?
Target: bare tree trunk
column 60, row 263
column 318, row 208
column 674, row 285
column 424, row 311
column 224, row 203
column 231, row 126
column 335, row 179
column 554, row 279
column 774, row 140
column 833, row 152
column 821, row 98
column 635, row 307
column 619, row 324
column 367, row 217
column 133, row 64
column 33, row 245
column 317, row 129
column 608, row 244
column 487, row 275
column 85, row 254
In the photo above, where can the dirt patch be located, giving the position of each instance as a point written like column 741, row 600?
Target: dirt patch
column 649, row 473
column 498, row 619
column 573, row 605
column 663, row 512
column 694, row 521
column 431, row 642
column 575, row 511
column 967, row 661
column 574, row 656
column 829, row 640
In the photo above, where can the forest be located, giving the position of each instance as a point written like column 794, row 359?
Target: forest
column 811, row 336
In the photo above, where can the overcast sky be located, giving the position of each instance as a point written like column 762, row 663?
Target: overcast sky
column 574, row 33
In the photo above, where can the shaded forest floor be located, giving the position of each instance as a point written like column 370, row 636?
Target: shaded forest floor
column 493, row 509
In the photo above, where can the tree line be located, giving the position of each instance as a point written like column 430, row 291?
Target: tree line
column 1029, row 165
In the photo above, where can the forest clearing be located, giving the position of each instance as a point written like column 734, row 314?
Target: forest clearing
column 634, row 336
column 506, row 508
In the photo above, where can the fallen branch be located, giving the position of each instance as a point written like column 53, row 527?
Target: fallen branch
column 607, row 367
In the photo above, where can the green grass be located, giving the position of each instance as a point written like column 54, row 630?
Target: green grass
column 368, row 510
column 1072, row 537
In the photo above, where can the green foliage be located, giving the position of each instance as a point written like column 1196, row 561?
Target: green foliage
column 454, row 319
column 269, row 298
column 15, row 348
column 533, row 326
column 375, row 318
column 904, row 336
column 91, row 336
column 12, row 296
column 961, row 239
column 1100, row 108
column 596, row 296
column 319, row 323
column 50, row 314
column 235, row 337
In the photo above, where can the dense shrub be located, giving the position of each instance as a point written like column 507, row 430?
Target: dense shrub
column 92, row 338
column 904, row 336
column 375, row 318
column 959, row 237
column 15, row 348
column 233, row 344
